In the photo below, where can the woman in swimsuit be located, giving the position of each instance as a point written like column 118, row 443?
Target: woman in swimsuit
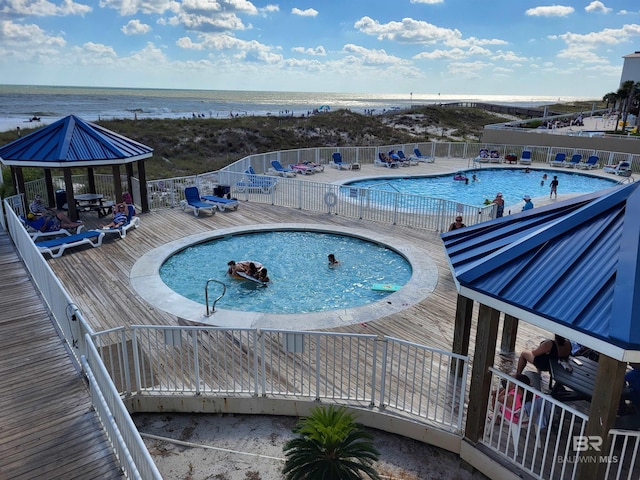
column 559, row 347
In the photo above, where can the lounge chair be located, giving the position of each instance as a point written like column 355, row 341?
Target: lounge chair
column 302, row 169
column 623, row 169
column 336, row 162
column 384, row 161
column 253, row 181
column 494, row 157
column 525, row 158
column 403, row 158
column 132, row 222
column 559, row 161
column 575, row 160
column 422, row 158
column 33, row 229
column 592, row 162
column 222, row 203
column 56, row 246
column 193, row 201
column 278, row 169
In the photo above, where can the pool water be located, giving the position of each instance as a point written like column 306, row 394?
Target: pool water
column 301, row 281
column 513, row 183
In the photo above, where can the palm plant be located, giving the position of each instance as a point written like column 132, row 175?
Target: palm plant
column 330, row 445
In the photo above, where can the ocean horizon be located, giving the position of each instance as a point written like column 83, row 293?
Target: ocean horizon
column 20, row 103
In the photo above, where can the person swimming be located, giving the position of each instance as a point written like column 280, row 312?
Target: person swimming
column 333, row 261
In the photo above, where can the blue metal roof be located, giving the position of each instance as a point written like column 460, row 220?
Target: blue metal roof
column 72, row 142
column 571, row 268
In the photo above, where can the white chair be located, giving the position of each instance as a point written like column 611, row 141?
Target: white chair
column 56, row 247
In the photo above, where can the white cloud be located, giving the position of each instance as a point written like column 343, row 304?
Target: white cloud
column 270, row 9
column 131, row 7
column 208, row 23
column 27, row 37
column 309, row 12
column 319, row 50
column 368, row 56
column 586, row 48
column 453, row 53
column 135, row 27
column 419, row 32
column 551, row 11
column 43, row 8
column 597, row 7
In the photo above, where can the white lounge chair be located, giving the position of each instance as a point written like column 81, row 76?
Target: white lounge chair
column 559, row 160
column 336, row 162
column 132, row 222
column 57, row 246
column 422, row 158
column 381, row 162
column 575, row 160
column 623, row 169
column 278, row 169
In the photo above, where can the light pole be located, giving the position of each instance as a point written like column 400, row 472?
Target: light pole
column 411, row 100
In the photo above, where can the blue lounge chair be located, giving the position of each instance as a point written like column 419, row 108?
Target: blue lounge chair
column 222, row 203
column 575, row 160
column 382, row 161
column 193, row 201
column 404, row 158
column 33, row 229
column 278, row 169
column 56, row 246
column 336, row 162
column 592, row 162
column 253, row 181
column 132, row 222
column 559, row 160
column 422, row 158
column 525, row 158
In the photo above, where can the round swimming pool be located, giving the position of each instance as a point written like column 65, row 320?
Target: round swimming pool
column 304, row 293
column 301, row 280
column 514, row 183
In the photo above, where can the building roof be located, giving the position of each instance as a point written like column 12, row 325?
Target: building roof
column 570, row 268
column 72, row 142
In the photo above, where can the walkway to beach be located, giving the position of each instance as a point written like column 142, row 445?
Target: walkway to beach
column 47, row 426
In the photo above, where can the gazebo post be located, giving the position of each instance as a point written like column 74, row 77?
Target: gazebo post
column 91, row 178
column 129, row 169
column 117, row 182
column 144, row 195
column 71, row 201
column 509, row 334
column 18, row 181
column 602, row 416
column 48, row 181
column 462, row 329
column 485, row 350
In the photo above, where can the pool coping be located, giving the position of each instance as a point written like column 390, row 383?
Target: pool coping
column 146, row 282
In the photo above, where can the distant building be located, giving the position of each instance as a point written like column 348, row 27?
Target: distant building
column 631, row 68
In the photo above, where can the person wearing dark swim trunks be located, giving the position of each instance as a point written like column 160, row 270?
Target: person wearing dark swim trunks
column 559, row 347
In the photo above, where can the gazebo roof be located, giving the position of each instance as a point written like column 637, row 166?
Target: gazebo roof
column 72, row 142
column 571, row 268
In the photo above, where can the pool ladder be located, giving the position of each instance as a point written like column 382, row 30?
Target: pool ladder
column 206, row 295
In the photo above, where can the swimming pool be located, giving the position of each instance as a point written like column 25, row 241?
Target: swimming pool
column 301, row 281
column 419, row 274
column 513, row 183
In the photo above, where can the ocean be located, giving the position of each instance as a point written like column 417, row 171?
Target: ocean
column 22, row 102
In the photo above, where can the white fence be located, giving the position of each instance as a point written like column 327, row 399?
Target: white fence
column 361, row 370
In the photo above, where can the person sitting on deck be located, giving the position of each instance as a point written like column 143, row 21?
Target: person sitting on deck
column 540, row 357
column 119, row 217
column 51, row 220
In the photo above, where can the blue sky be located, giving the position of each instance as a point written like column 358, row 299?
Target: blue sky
column 479, row 47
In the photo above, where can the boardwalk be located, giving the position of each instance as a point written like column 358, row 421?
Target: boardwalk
column 47, row 427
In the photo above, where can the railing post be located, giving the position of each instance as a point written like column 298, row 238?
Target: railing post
column 125, row 362
column 136, row 358
column 196, row 360
column 383, row 370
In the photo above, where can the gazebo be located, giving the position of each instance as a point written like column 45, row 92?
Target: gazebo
column 571, row 268
column 75, row 143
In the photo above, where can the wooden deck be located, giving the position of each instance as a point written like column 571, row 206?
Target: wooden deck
column 47, row 427
column 98, row 278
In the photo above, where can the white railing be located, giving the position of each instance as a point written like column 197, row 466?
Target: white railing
column 623, row 455
column 135, row 460
column 366, row 370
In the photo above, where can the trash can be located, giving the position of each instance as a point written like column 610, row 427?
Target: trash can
column 61, row 199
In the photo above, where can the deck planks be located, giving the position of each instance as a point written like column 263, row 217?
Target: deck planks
column 47, row 427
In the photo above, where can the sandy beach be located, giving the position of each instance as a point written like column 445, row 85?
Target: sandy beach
column 249, row 447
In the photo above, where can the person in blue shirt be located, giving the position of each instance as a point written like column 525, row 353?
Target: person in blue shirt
column 528, row 204
column 119, row 217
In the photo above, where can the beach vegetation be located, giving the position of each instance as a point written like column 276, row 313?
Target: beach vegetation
column 330, row 444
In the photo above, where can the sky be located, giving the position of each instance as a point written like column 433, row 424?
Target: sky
column 475, row 47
